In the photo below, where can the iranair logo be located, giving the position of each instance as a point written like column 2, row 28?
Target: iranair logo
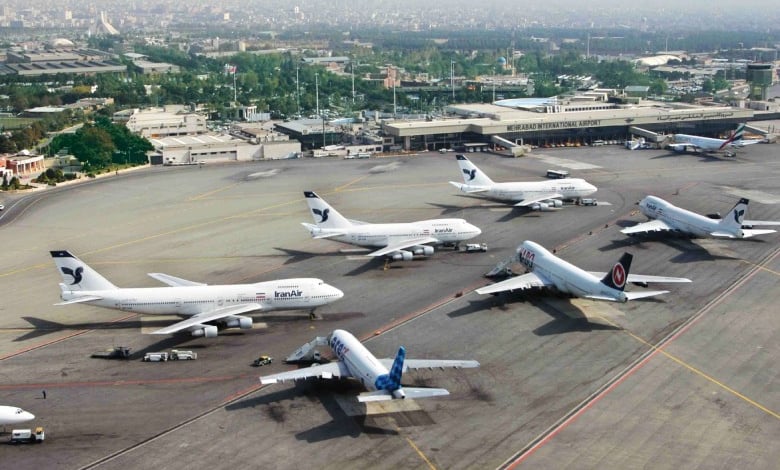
column 75, row 274
column 619, row 276
column 443, row 230
column 738, row 214
column 322, row 213
column 470, row 173
column 292, row 294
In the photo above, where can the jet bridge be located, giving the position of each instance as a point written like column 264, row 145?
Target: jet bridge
column 517, row 150
column 308, row 352
column 648, row 135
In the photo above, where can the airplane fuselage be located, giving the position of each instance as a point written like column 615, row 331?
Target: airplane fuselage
column 566, row 277
column 14, row 415
column 683, row 220
column 287, row 294
column 707, row 144
column 380, row 235
column 569, row 188
column 362, row 365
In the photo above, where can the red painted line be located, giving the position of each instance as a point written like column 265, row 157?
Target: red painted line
column 118, row 383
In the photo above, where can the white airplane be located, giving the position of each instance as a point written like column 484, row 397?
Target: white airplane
column 397, row 241
column 534, row 195
column 14, row 415
column 382, row 377
column 670, row 218
column 685, row 142
column 206, row 306
column 547, row 270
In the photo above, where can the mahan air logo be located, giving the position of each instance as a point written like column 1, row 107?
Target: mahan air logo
column 75, row 274
column 619, row 275
column 322, row 213
column 470, row 173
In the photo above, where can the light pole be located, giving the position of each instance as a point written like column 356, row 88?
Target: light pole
column 452, row 78
column 317, row 91
column 297, row 90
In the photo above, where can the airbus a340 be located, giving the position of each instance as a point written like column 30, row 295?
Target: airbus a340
column 685, row 142
column 206, row 307
column 382, row 377
column 549, row 271
column 397, row 241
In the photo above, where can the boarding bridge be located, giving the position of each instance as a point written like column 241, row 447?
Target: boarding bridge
column 517, row 150
column 308, row 352
column 502, row 268
column 648, row 135
column 756, row 130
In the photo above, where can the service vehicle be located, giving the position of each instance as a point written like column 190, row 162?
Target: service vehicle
column 472, row 247
column 557, row 174
column 155, row 357
column 178, row 355
column 588, row 201
column 27, row 435
column 118, row 352
column 262, row 360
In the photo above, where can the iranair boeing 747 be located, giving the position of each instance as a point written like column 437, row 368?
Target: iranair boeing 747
column 667, row 217
column 382, row 377
column 14, row 415
column 684, row 142
column 206, row 307
column 548, row 271
column 397, row 241
column 533, row 195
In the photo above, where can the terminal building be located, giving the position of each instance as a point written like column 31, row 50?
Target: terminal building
column 549, row 122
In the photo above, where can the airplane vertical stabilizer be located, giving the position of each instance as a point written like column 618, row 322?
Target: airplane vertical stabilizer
column 76, row 275
column 616, row 278
column 324, row 215
column 472, row 175
column 392, row 380
column 732, row 222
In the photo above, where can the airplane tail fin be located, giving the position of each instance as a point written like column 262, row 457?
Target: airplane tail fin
column 472, row 175
column 616, row 278
column 734, row 219
column 392, row 380
column 737, row 136
column 324, row 215
column 76, row 275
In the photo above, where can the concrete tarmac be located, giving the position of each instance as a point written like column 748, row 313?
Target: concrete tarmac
column 562, row 383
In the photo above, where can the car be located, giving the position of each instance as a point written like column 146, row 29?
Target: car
column 472, row 247
column 588, row 201
column 262, row 360
column 2, row 207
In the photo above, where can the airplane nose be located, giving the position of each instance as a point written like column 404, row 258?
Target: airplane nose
column 27, row 416
column 476, row 229
column 337, row 293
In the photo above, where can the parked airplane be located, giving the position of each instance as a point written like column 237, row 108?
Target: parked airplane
column 398, row 241
column 685, row 142
column 670, row 218
column 533, row 195
column 382, row 377
column 14, row 415
column 547, row 270
column 206, row 306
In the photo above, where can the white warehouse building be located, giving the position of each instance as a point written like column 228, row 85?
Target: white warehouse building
column 185, row 150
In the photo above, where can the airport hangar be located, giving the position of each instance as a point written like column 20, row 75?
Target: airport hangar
column 574, row 123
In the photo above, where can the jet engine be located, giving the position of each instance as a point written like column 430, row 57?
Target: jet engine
column 245, row 323
column 402, row 255
column 541, row 207
column 207, row 331
column 423, row 250
column 555, row 202
column 399, row 394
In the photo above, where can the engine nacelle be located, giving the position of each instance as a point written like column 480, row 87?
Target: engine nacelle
column 423, row 250
column 402, row 255
column 399, row 394
column 245, row 323
column 555, row 203
column 541, row 207
column 207, row 331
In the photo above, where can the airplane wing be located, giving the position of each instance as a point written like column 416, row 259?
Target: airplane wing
column 206, row 317
column 540, row 198
column 646, row 227
column 524, row 281
column 412, row 364
column 641, row 278
column 682, row 147
column 322, row 371
column 468, row 189
column 402, row 244
column 78, row 300
column 174, row 281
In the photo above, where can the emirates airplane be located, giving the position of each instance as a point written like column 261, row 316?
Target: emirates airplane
column 206, row 307
column 534, row 195
column 382, row 377
column 397, row 241
column 549, row 271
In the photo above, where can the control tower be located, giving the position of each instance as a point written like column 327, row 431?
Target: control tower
column 759, row 76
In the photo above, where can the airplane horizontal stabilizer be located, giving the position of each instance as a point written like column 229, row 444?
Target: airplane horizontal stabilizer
column 722, row 235
column 753, row 223
column 753, row 233
column 415, row 392
column 601, row 297
column 379, row 395
column 468, row 189
column 78, row 300
column 643, row 278
column 642, row 294
column 317, row 232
